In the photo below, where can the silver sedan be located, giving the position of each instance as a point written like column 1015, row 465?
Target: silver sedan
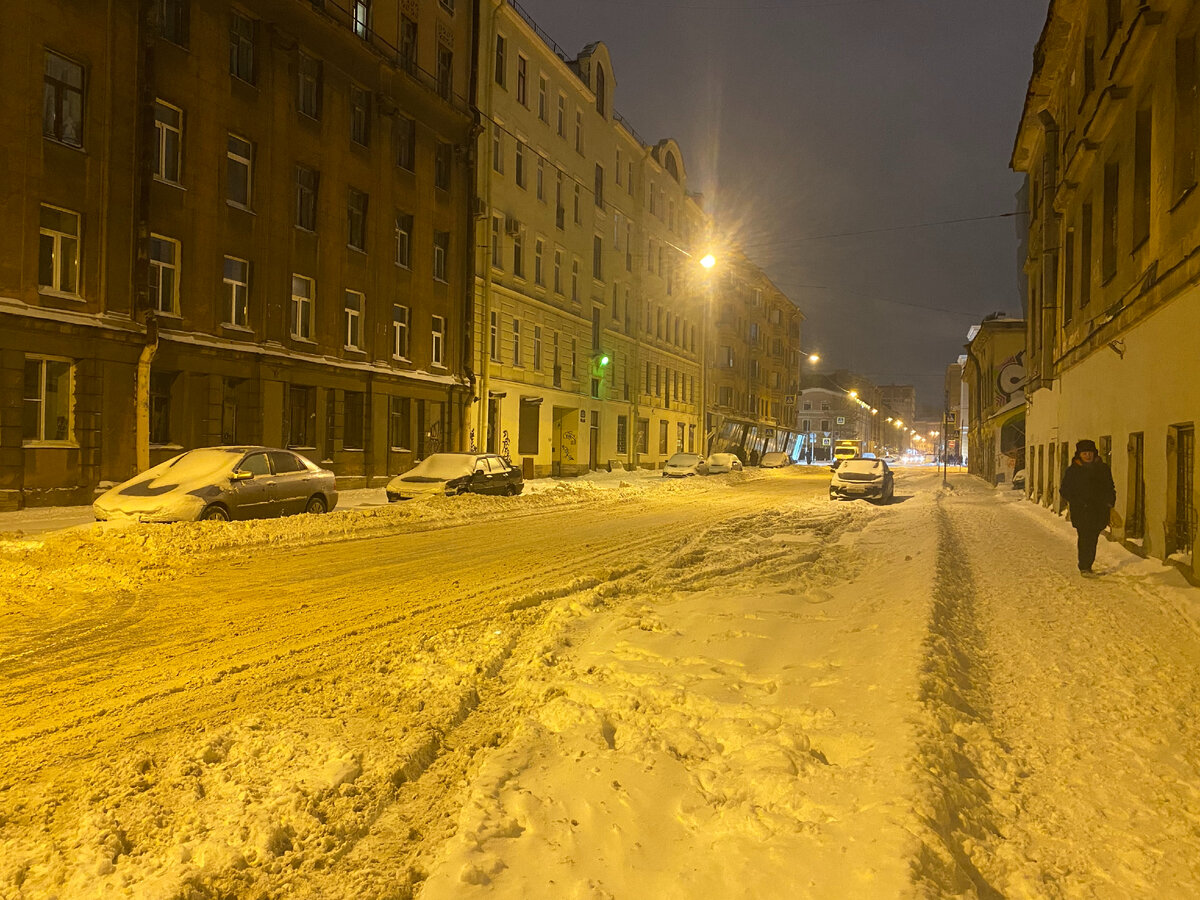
column 222, row 483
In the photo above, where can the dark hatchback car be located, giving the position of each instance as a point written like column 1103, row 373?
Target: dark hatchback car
column 222, row 483
column 447, row 474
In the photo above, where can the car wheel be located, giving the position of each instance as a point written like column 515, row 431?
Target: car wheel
column 214, row 512
column 316, row 505
column 510, row 490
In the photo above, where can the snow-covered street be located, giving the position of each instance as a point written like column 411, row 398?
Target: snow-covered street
column 625, row 687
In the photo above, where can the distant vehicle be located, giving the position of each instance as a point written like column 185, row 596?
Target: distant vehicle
column 847, row 449
column 681, row 465
column 866, row 478
column 1018, row 480
column 222, row 483
column 448, row 474
column 721, row 464
column 775, row 461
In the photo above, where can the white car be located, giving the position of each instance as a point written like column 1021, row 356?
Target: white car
column 681, row 465
column 865, row 478
column 774, row 461
column 222, row 483
column 721, row 464
column 448, row 474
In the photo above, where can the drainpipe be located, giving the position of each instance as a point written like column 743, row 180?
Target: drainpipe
column 482, row 231
column 143, row 177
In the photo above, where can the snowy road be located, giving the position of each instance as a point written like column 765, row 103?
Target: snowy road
column 724, row 687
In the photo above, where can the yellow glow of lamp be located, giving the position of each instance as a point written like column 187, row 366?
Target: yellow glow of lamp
column 708, row 260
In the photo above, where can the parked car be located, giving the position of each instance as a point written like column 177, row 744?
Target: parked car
column 447, row 474
column 222, row 483
column 775, row 461
column 722, row 463
column 681, row 465
column 867, row 478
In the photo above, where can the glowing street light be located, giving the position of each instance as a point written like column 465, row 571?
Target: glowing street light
column 708, row 260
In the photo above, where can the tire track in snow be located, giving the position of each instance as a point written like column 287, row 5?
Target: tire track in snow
column 956, row 806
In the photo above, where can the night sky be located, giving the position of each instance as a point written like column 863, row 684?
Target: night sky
column 805, row 120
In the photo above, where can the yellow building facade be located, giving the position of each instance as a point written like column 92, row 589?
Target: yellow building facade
column 1108, row 143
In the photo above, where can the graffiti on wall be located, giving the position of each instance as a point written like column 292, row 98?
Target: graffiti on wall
column 568, row 446
column 504, row 447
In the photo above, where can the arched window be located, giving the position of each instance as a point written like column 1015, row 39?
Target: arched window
column 672, row 168
column 600, row 89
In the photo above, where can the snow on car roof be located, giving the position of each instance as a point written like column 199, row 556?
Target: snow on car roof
column 444, row 466
column 193, row 465
column 865, row 466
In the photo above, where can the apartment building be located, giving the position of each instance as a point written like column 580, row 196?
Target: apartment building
column 588, row 293
column 994, row 376
column 231, row 223
column 1108, row 143
column 754, row 368
column 841, row 406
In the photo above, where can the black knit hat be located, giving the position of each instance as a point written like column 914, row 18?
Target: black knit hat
column 1085, row 444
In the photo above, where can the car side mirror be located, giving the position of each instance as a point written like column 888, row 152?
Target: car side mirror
column 241, row 476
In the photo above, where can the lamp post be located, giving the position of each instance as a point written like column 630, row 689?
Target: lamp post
column 707, row 262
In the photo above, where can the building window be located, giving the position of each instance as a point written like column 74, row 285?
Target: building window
column 406, row 143
column 303, row 297
column 558, row 261
column 519, row 254
column 438, row 349
column 353, row 420
column 1108, row 236
column 445, row 72
column 501, row 62
column 360, row 115
column 408, row 45
column 537, row 347
column 441, row 249
column 356, row 217
column 441, row 166
column 362, row 18
column 539, row 248
column 523, row 81
column 400, row 320
column 58, row 250
column 516, row 342
column 575, row 280
column 497, row 246
column 542, row 110
column 241, row 47
column 574, row 360
column 562, row 116
column 579, row 130
column 601, row 90
column 622, row 434
column 541, row 179
column 598, row 193
column 519, row 165
column 497, row 150
column 160, row 407
column 597, row 257
column 168, row 133
column 354, row 313
column 398, row 422
column 239, row 155
column 237, row 291
column 173, row 18
column 494, row 337
column 663, row 436
column 404, row 226
column 48, row 414
column 578, row 196
column 62, row 100
column 310, row 87
column 307, row 181
column 164, row 274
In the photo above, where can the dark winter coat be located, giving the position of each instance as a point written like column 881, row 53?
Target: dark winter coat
column 1089, row 491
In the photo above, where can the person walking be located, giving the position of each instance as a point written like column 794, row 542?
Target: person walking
column 1088, row 489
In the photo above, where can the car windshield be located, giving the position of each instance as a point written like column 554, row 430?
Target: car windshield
column 442, row 467
column 203, row 464
column 683, row 459
column 862, row 466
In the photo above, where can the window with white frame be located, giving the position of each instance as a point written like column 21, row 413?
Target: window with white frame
column 239, row 155
column 519, row 254
column 441, row 249
column 519, row 165
column 494, row 336
column 438, row 349
column 58, row 250
column 361, row 10
column 497, row 247
column 537, row 347
column 62, row 100
column 237, row 291
column 501, row 65
column 540, row 179
column 301, row 310
column 353, row 307
column 400, row 320
column 579, row 130
column 497, row 150
column 522, row 80
column 164, row 274
column 575, row 280
column 49, row 409
column 562, row 116
column 168, row 134
column 558, row 261
column 241, row 47
column 173, row 18
column 542, row 110
column 404, row 226
column 516, row 342
column 539, row 249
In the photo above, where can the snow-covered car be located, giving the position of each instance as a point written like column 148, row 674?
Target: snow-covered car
column 447, row 474
column 866, row 478
column 721, row 464
column 222, row 483
column 681, row 465
column 774, row 461
column 1018, row 480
